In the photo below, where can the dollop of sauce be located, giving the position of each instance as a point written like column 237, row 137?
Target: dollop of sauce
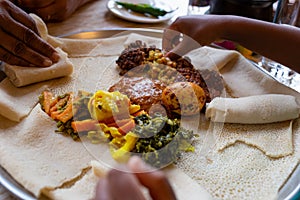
column 140, row 90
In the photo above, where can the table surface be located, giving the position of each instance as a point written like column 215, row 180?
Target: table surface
column 95, row 15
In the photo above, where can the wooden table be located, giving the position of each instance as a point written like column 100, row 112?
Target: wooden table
column 95, row 15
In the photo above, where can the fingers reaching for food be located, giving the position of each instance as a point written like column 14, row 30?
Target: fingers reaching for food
column 23, row 76
column 21, row 44
column 149, row 177
column 130, row 182
column 177, row 44
column 119, row 185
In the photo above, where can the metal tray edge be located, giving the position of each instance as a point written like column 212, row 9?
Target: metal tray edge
column 7, row 181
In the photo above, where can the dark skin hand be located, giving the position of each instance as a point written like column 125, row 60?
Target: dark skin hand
column 126, row 184
column 20, row 41
column 277, row 42
column 51, row 10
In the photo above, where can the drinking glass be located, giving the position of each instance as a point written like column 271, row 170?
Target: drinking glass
column 197, row 7
column 287, row 12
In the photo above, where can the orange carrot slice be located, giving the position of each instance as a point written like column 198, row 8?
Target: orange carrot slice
column 84, row 125
column 60, row 103
column 66, row 115
column 127, row 127
column 119, row 123
column 140, row 112
column 47, row 100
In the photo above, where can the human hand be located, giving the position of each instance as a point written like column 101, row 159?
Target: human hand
column 126, row 184
column 51, row 10
column 20, row 41
column 190, row 32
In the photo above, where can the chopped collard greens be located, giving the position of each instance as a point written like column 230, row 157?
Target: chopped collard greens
column 161, row 139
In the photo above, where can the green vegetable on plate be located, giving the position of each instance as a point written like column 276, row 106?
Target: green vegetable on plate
column 161, row 140
column 143, row 8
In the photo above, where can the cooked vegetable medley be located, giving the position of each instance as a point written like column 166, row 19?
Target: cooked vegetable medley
column 110, row 117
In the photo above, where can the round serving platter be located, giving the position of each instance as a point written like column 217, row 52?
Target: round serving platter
column 289, row 191
column 126, row 14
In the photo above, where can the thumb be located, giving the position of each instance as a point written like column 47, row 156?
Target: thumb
column 184, row 46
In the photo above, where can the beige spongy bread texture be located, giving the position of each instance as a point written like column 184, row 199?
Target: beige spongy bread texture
column 239, row 171
column 256, row 109
column 280, row 134
column 22, row 76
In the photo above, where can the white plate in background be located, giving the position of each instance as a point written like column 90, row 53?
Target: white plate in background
column 123, row 13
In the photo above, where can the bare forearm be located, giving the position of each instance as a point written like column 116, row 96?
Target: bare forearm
column 82, row 2
column 278, row 42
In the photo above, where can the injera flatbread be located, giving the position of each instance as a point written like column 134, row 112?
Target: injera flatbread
column 22, row 76
column 39, row 158
column 257, row 135
column 257, row 109
column 238, row 172
column 16, row 103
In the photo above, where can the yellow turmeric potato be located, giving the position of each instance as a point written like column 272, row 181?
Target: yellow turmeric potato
column 104, row 105
column 183, row 98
